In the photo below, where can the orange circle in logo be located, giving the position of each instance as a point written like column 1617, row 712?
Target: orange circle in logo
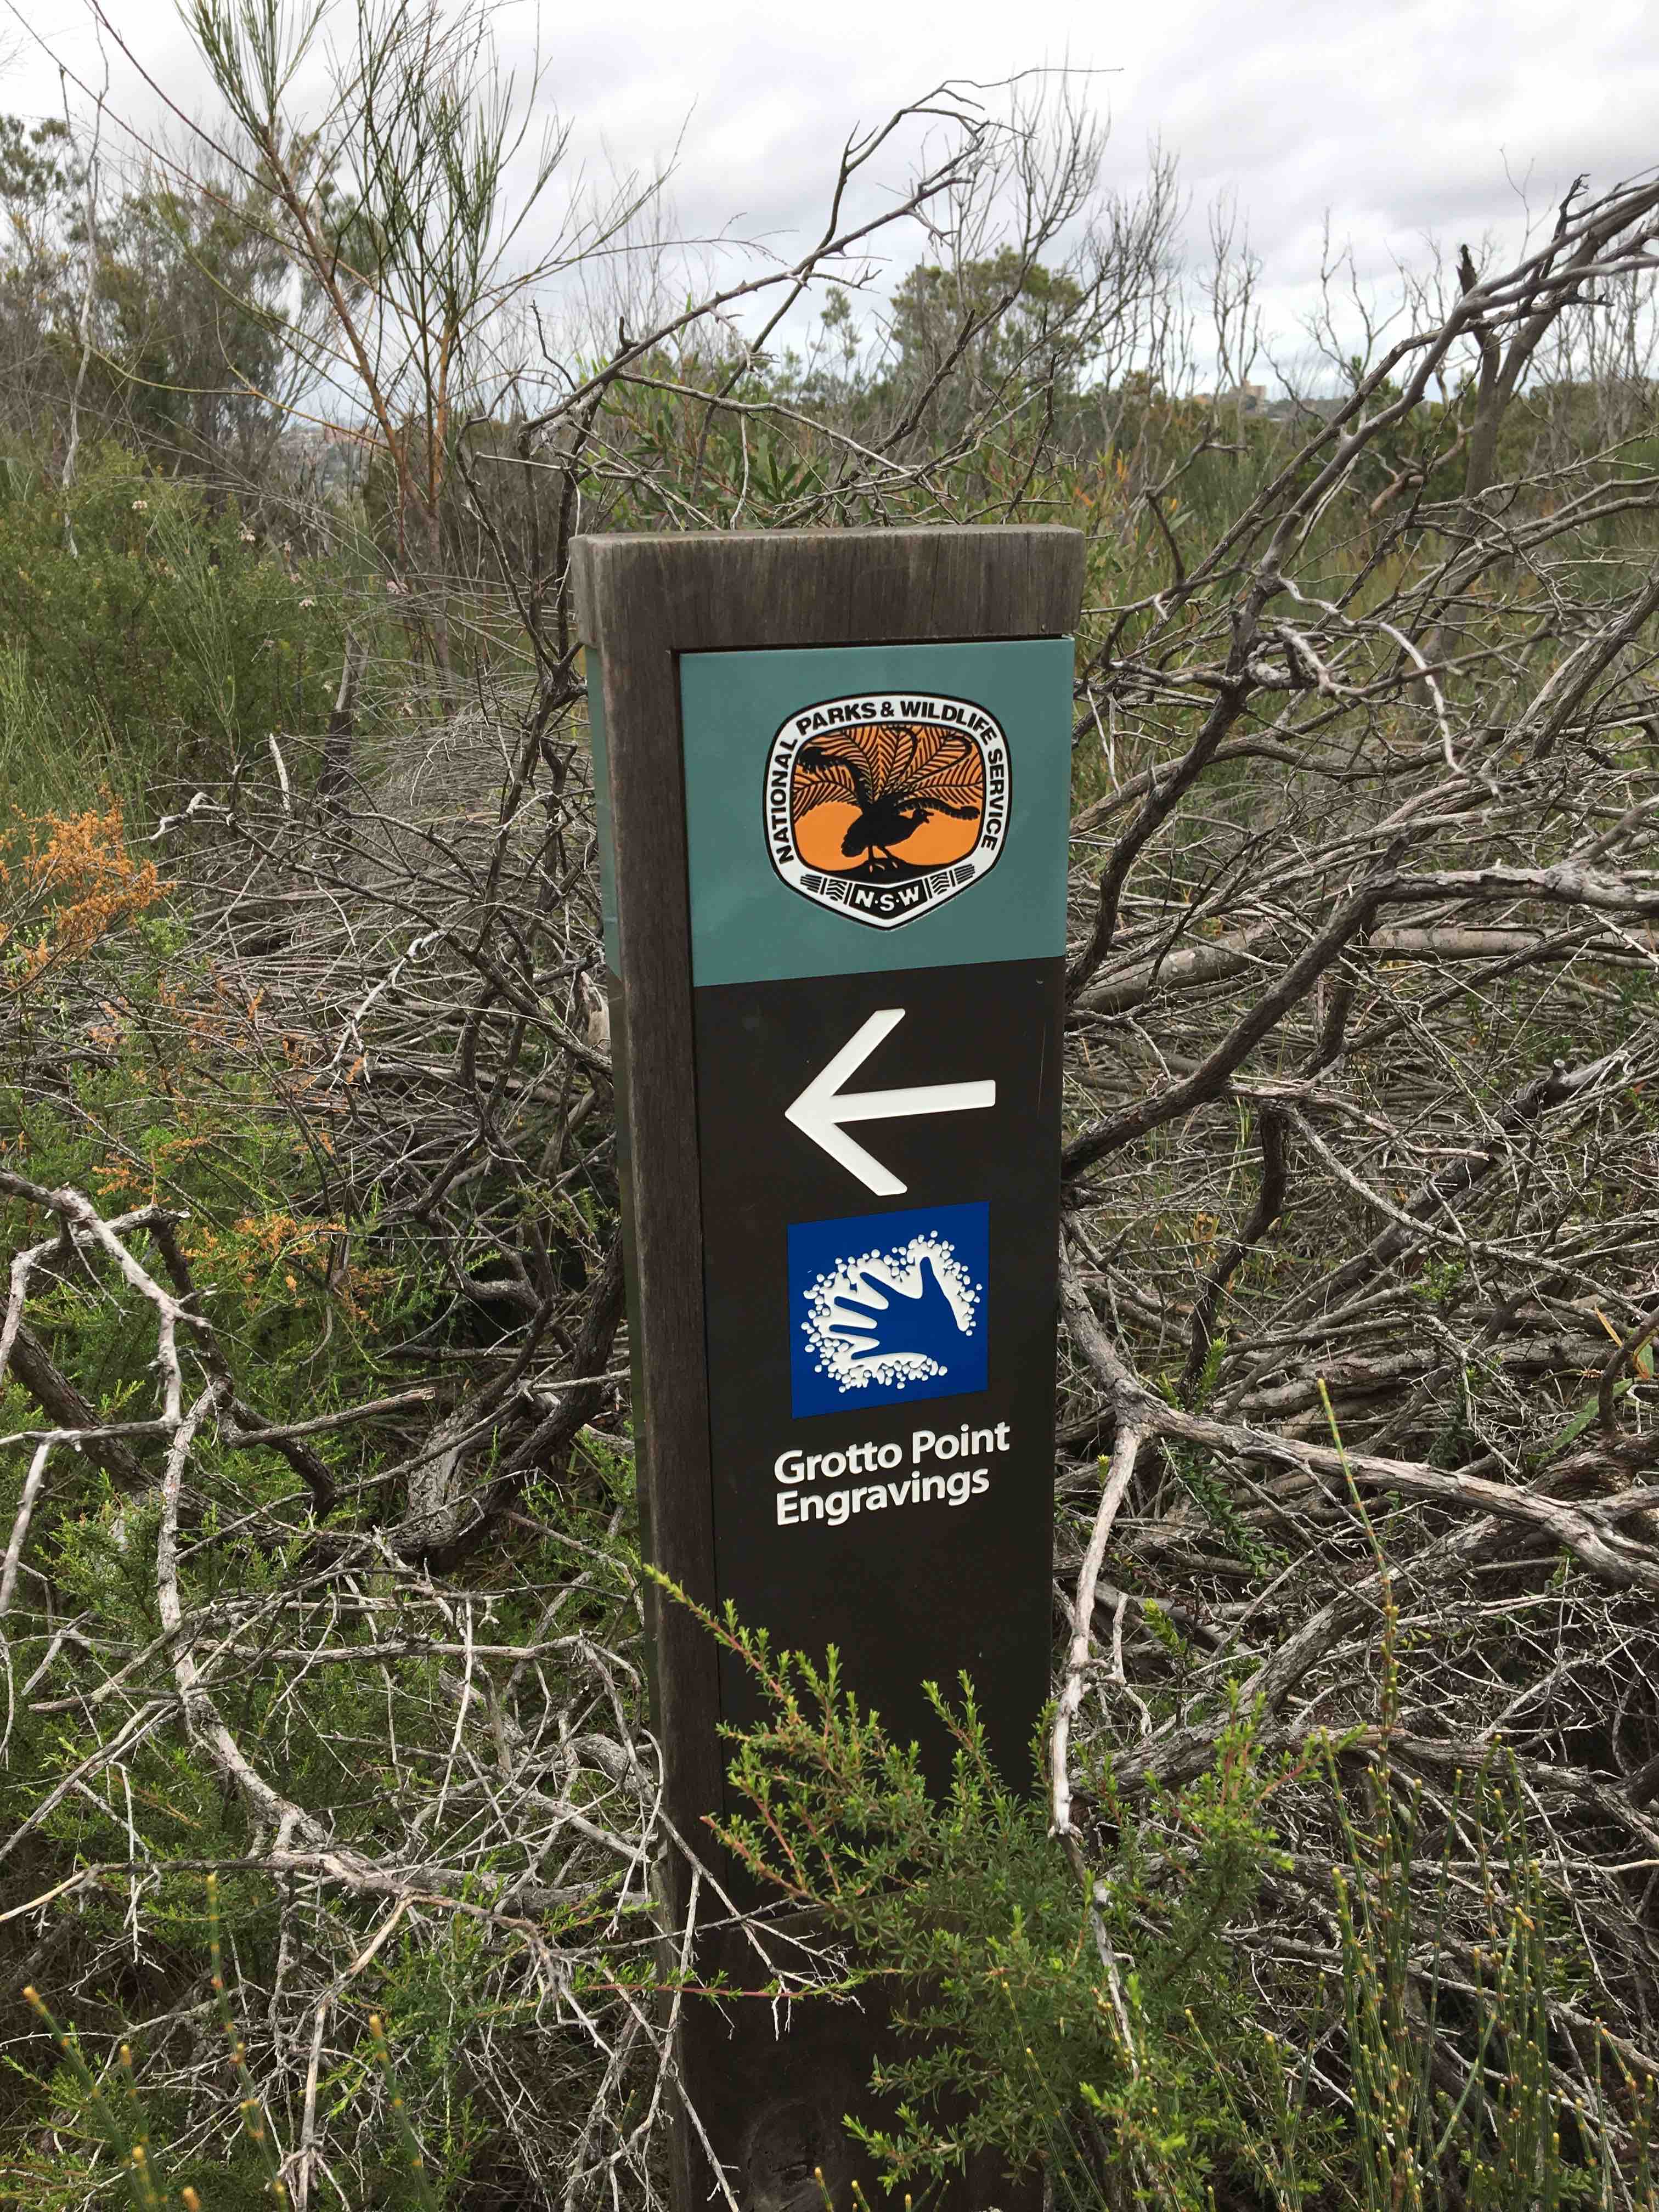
column 881, row 801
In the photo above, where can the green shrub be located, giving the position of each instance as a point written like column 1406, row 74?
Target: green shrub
column 1104, row 2034
column 109, row 2115
column 172, row 633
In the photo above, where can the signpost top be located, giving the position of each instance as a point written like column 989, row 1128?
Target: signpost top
column 729, row 590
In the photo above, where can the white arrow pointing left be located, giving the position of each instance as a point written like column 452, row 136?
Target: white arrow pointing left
column 822, row 1107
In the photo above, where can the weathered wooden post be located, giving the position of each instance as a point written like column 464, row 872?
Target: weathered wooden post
column 834, row 773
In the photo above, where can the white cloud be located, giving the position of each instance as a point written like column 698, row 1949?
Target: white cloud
column 1400, row 120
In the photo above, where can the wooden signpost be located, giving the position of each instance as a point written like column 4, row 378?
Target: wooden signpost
column 834, row 773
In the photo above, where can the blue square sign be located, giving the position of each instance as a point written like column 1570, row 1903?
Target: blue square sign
column 884, row 1307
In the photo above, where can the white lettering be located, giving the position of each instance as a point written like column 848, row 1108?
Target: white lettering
column 953, row 1487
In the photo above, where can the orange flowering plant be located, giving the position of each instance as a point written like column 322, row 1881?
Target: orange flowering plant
column 66, row 883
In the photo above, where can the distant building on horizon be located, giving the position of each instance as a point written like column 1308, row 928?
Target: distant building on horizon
column 1250, row 402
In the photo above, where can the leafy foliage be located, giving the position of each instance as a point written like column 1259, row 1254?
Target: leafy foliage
column 173, row 632
column 1101, row 2034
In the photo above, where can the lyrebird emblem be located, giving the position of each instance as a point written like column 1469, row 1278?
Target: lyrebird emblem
column 882, row 808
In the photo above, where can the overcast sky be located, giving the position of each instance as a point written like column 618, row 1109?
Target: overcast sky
column 1400, row 118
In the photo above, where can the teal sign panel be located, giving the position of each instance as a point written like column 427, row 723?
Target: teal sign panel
column 864, row 809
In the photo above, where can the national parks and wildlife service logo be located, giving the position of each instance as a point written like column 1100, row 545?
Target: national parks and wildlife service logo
column 882, row 808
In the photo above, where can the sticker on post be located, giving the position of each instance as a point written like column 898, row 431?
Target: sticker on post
column 885, row 1308
column 881, row 808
